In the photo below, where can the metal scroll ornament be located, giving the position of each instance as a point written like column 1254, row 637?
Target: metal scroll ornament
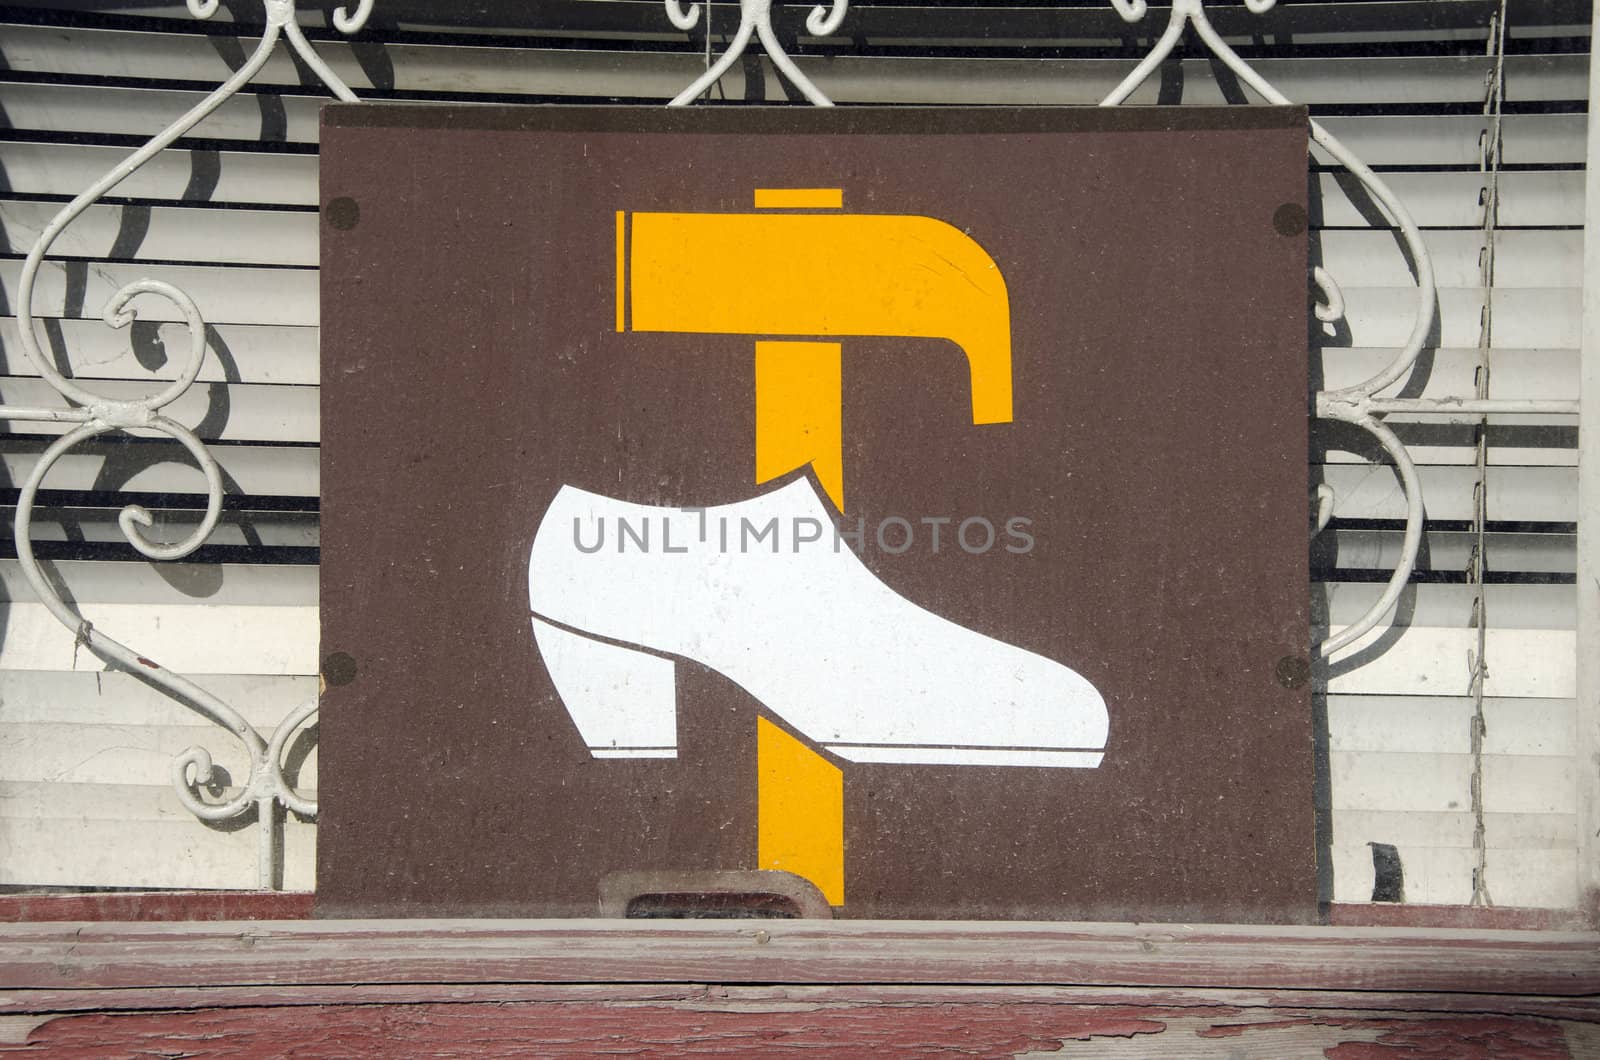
column 755, row 20
column 1358, row 404
column 93, row 415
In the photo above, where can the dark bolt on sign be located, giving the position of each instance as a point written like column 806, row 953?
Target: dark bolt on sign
column 895, row 512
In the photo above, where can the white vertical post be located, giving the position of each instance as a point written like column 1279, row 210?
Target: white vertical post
column 1588, row 742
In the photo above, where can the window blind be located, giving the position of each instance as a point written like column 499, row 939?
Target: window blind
column 229, row 215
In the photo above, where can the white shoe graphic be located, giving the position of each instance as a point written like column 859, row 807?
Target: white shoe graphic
column 763, row 592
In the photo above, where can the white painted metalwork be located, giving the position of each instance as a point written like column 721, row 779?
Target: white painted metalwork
column 755, row 19
column 1358, row 404
column 92, row 415
column 265, row 788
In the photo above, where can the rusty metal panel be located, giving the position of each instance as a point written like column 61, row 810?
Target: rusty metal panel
column 911, row 503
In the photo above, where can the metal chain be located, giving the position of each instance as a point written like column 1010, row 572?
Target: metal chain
column 1493, row 107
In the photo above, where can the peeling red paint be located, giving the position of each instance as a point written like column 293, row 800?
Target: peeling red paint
column 697, row 1025
column 1483, row 1038
column 558, row 1030
column 1455, row 1038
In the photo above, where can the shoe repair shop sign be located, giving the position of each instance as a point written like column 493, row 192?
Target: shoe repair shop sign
column 891, row 512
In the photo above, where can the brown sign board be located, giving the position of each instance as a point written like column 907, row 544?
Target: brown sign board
column 897, row 512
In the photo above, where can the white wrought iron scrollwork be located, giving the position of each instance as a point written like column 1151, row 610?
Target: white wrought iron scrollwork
column 755, row 19
column 266, row 787
column 1359, row 404
column 91, row 415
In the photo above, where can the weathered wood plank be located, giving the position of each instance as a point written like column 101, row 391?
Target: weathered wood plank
column 1454, row 917
column 706, row 1028
column 20, row 1002
column 81, row 956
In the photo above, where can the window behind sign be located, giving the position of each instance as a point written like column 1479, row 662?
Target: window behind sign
column 1436, row 787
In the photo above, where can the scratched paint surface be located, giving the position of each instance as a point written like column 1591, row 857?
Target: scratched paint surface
column 829, row 1030
column 1061, row 697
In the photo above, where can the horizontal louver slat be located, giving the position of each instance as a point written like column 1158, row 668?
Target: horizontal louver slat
column 188, row 639
column 154, row 467
column 1447, row 553
column 246, row 353
column 138, row 836
column 594, row 75
column 215, row 411
column 1540, row 258
column 1530, row 785
column 1443, row 875
column 64, row 169
column 1441, row 725
column 75, row 752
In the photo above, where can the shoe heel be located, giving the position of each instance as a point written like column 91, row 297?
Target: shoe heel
column 624, row 702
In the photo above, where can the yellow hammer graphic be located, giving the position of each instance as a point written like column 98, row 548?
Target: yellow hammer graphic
column 809, row 276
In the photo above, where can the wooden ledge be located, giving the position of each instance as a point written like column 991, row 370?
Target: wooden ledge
column 835, row 988
column 79, row 956
column 300, row 905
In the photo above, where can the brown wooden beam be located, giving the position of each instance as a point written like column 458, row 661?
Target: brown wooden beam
column 286, row 953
